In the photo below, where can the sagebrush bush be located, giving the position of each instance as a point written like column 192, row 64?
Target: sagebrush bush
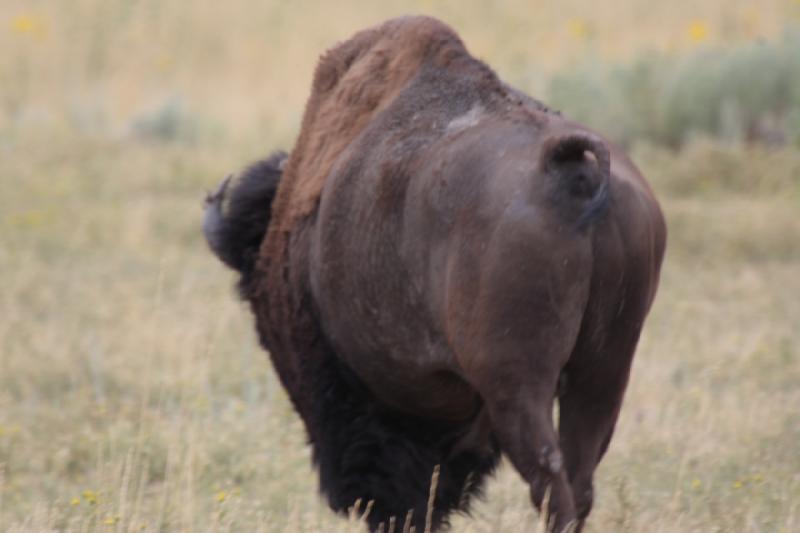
column 750, row 92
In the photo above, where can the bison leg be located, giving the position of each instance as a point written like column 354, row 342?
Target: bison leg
column 521, row 415
column 523, row 325
column 586, row 421
column 594, row 383
column 517, row 376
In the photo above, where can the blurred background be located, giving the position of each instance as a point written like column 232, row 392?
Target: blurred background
column 133, row 395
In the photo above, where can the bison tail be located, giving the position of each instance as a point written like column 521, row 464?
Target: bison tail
column 385, row 460
column 236, row 217
column 583, row 181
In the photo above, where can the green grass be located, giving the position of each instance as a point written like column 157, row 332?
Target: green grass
column 133, row 395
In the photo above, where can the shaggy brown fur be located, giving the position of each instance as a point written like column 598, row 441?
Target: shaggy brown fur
column 354, row 82
column 443, row 255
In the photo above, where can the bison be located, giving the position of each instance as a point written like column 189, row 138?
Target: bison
column 437, row 261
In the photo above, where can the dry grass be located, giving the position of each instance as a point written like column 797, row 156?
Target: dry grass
column 133, row 395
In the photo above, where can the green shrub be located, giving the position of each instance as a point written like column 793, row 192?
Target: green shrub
column 171, row 121
column 750, row 92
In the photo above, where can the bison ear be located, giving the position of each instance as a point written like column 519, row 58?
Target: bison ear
column 561, row 149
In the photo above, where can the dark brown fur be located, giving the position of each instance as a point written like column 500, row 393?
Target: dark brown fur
column 443, row 256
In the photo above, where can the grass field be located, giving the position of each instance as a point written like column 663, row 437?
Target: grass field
column 133, row 395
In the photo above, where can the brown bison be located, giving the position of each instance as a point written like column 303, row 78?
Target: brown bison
column 438, row 259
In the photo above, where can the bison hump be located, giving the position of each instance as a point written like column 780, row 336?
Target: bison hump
column 353, row 82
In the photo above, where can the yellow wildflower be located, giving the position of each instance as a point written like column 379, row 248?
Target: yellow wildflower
column 221, row 496
column 696, row 483
column 110, row 520
column 28, row 219
column 578, row 28
column 164, row 62
column 697, row 31
column 23, row 24
column 28, row 25
column 90, row 496
column 75, row 501
column 738, row 484
column 10, row 430
column 201, row 403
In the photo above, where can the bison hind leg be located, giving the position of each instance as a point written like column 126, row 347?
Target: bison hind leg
column 369, row 454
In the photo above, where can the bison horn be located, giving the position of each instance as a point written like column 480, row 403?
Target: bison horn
column 213, row 217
